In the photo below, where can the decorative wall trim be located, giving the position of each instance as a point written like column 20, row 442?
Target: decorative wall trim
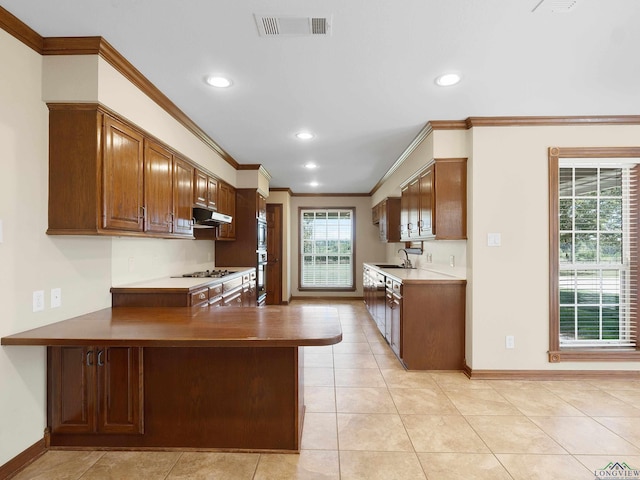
column 594, row 355
column 281, row 189
column 422, row 134
column 448, row 124
column 552, row 121
column 556, row 353
column 471, row 122
column 324, row 298
column 23, row 459
column 99, row 46
column 552, row 374
column 21, row 31
column 328, row 194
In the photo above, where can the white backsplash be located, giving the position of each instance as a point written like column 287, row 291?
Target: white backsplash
column 436, row 255
column 137, row 259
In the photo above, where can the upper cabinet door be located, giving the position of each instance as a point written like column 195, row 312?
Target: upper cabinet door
column 122, row 181
column 425, row 223
column 182, row 195
column 200, row 185
column 212, row 193
column 158, row 188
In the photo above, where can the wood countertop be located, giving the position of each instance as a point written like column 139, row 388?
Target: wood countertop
column 270, row 326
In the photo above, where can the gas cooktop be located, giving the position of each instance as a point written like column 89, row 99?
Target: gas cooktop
column 208, row 274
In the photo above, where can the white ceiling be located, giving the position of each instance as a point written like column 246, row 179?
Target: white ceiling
column 368, row 88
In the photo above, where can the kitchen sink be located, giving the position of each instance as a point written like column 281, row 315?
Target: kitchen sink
column 383, row 265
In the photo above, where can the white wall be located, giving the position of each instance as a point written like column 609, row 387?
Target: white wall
column 508, row 194
column 29, row 259
column 368, row 247
column 83, row 267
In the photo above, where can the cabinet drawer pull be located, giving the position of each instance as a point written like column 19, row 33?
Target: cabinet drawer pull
column 100, row 362
column 90, row 358
column 202, row 296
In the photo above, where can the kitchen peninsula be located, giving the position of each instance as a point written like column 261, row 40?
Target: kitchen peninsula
column 180, row 377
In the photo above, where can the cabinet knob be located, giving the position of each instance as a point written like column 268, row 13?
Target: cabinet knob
column 202, row 296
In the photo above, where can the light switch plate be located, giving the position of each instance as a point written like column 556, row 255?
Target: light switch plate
column 56, row 297
column 494, row 239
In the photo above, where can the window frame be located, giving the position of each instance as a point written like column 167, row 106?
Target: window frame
column 556, row 352
column 353, row 287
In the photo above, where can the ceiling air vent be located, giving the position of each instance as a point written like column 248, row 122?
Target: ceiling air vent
column 292, row 26
column 555, row 6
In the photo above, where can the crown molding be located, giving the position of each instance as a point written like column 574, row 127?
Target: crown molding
column 552, row 121
column 20, row 30
column 99, row 46
column 328, row 194
column 281, row 189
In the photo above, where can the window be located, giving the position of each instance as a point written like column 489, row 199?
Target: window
column 593, row 254
column 327, row 249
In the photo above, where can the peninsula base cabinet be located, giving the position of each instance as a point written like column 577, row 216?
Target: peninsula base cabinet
column 432, row 326
column 228, row 398
column 95, row 390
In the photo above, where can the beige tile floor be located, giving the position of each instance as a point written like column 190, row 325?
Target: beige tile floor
column 369, row 419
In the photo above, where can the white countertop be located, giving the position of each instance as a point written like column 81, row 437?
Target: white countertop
column 182, row 283
column 411, row 275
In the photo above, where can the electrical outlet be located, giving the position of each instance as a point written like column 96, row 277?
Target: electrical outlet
column 510, row 341
column 56, row 297
column 132, row 264
column 38, row 300
column 452, row 260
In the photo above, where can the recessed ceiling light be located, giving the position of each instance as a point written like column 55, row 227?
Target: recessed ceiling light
column 447, row 79
column 304, row 135
column 310, row 165
column 314, row 184
column 217, row 81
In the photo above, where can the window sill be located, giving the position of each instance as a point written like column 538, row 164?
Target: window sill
column 595, row 355
column 326, row 289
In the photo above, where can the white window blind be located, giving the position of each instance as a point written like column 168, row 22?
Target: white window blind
column 326, row 248
column 598, row 261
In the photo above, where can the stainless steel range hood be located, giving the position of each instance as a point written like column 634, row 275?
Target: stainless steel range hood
column 204, row 218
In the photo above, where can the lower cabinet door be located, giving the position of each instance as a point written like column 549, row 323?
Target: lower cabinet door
column 120, row 390
column 71, row 385
column 95, row 390
column 396, row 322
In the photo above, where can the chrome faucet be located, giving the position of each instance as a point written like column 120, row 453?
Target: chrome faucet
column 407, row 262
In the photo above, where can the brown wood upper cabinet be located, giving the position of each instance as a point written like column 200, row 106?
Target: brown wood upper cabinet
column 96, row 390
column 226, row 205
column 106, row 177
column 386, row 215
column 205, row 191
column 434, row 202
column 122, row 177
column 261, row 207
